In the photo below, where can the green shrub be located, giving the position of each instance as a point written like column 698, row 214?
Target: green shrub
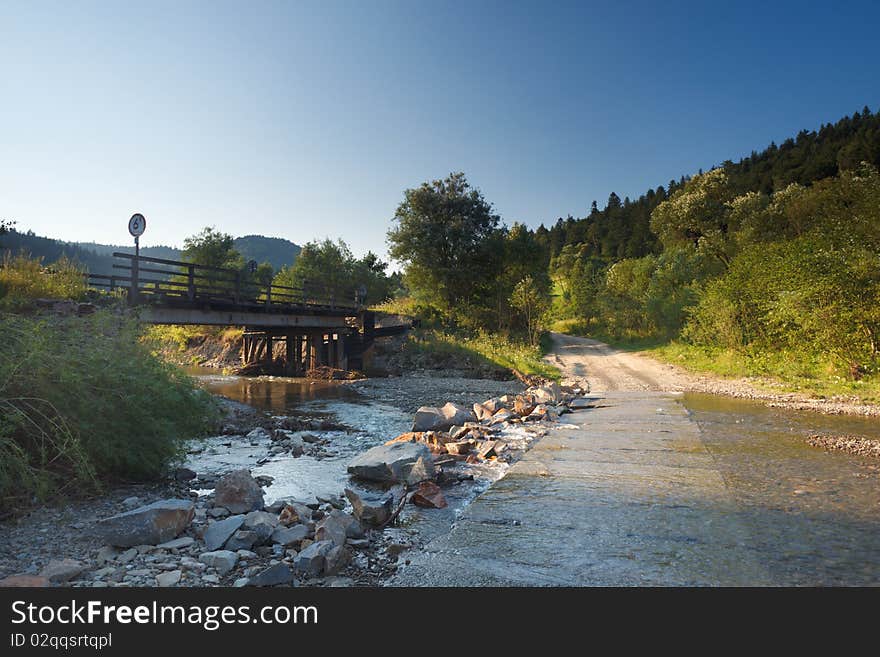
column 84, row 401
column 803, row 296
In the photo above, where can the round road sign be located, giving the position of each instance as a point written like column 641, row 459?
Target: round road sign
column 137, row 225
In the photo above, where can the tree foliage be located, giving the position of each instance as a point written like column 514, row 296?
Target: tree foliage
column 531, row 303
column 447, row 237
column 212, row 248
column 329, row 268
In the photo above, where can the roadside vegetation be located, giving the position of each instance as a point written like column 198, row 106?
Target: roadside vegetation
column 765, row 268
column 83, row 401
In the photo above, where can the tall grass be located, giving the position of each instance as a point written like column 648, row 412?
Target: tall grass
column 83, row 401
column 23, row 279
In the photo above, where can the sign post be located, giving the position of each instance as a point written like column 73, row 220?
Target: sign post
column 136, row 227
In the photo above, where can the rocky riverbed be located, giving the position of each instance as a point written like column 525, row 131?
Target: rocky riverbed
column 218, row 521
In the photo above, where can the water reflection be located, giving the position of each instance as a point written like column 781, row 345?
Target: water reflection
column 276, row 394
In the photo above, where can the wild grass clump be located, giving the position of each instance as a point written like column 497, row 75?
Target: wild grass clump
column 83, row 401
column 23, row 278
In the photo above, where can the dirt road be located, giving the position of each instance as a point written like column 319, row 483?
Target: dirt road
column 605, row 369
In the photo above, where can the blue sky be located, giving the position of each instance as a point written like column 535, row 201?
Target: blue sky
column 306, row 120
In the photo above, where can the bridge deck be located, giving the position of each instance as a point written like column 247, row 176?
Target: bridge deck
column 173, row 292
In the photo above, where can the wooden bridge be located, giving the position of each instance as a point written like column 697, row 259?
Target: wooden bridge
column 300, row 329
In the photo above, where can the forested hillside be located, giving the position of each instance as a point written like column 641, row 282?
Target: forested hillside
column 98, row 258
column 621, row 229
column 277, row 251
column 773, row 258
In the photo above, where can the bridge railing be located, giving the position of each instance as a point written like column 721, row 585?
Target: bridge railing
column 156, row 280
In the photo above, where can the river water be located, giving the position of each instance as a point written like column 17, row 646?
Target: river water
column 813, row 517
column 369, row 412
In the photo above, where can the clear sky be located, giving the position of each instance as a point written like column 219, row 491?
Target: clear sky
column 306, row 120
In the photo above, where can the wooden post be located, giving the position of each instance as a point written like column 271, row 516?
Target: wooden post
column 341, row 356
column 290, row 354
column 331, row 350
column 300, row 355
column 314, row 351
column 133, row 291
column 191, row 283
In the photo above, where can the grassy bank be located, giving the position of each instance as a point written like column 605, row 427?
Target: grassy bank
column 491, row 350
column 781, row 371
column 83, row 400
column 777, row 371
column 195, row 345
column 487, row 349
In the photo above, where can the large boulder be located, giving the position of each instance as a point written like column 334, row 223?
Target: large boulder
column 219, row 532
column 331, row 529
column 63, row 570
column 430, row 418
column 337, row 559
column 367, row 512
column 351, row 524
column 287, row 536
column 239, row 492
column 408, row 463
column 274, row 575
column 262, row 523
column 313, row 559
column 429, row 496
column 222, row 560
column 243, row 539
column 147, row 525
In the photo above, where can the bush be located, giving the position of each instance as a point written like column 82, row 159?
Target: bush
column 804, row 296
column 84, row 401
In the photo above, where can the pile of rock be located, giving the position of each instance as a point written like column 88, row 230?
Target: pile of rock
column 451, row 434
column 464, row 434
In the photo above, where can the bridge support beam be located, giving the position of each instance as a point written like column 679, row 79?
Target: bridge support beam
column 302, row 351
column 341, row 358
column 331, row 350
